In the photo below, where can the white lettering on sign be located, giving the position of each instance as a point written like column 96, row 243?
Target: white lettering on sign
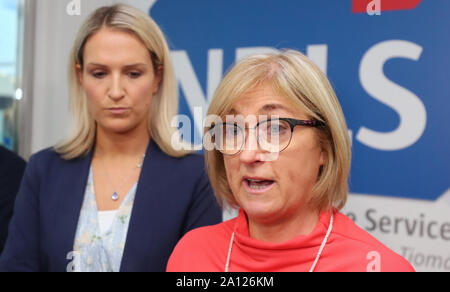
column 241, row 53
column 319, row 55
column 409, row 107
column 406, row 104
column 188, row 81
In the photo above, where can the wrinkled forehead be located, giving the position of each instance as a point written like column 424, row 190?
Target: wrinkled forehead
column 264, row 101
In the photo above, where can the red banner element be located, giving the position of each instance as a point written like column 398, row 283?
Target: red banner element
column 360, row 6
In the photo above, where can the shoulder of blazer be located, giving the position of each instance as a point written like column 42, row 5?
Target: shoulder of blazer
column 193, row 159
column 191, row 166
column 47, row 154
column 40, row 160
column 48, row 160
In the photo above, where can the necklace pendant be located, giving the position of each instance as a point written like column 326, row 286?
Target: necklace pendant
column 115, row 196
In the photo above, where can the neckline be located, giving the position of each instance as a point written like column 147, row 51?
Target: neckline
column 125, row 199
column 314, row 238
column 294, row 243
column 107, row 212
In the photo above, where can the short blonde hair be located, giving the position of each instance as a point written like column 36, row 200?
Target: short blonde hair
column 297, row 78
column 165, row 101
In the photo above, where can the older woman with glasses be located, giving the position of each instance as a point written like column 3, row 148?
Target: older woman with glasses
column 277, row 147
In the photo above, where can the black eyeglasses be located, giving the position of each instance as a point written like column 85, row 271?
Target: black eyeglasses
column 273, row 135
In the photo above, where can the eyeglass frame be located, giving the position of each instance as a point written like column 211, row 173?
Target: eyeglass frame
column 292, row 124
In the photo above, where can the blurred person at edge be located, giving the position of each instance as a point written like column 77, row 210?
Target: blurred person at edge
column 12, row 168
column 289, row 217
column 116, row 195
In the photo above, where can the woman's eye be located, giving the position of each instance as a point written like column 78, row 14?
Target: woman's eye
column 276, row 128
column 231, row 131
column 99, row 74
column 134, row 75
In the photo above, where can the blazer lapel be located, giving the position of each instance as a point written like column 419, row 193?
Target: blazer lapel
column 145, row 214
column 72, row 184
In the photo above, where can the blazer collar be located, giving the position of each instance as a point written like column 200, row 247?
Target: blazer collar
column 147, row 199
column 148, row 194
column 78, row 171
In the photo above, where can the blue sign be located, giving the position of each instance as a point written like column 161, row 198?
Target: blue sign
column 390, row 71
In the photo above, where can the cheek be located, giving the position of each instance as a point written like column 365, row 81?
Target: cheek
column 301, row 167
column 289, row 174
column 94, row 97
column 143, row 94
column 232, row 172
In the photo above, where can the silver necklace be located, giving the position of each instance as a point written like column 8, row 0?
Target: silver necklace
column 322, row 247
column 115, row 195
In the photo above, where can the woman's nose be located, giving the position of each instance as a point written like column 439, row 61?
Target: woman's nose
column 251, row 151
column 116, row 90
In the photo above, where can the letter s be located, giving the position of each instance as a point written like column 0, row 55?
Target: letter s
column 412, row 112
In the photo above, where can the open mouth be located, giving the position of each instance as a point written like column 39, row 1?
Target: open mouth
column 258, row 185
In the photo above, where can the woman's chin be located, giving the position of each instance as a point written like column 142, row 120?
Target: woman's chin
column 118, row 128
column 259, row 211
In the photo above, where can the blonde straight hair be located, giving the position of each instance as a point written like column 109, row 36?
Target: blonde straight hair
column 165, row 102
column 297, row 78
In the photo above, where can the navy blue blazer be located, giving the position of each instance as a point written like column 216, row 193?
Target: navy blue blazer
column 173, row 196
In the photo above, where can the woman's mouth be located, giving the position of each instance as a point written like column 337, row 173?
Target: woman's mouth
column 118, row 110
column 256, row 185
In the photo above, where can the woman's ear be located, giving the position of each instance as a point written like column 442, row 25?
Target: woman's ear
column 158, row 79
column 322, row 160
column 323, row 157
column 79, row 73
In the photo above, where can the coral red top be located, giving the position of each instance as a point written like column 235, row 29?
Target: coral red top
column 349, row 248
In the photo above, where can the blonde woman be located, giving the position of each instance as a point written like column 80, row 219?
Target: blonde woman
column 282, row 155
column 116, row 195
